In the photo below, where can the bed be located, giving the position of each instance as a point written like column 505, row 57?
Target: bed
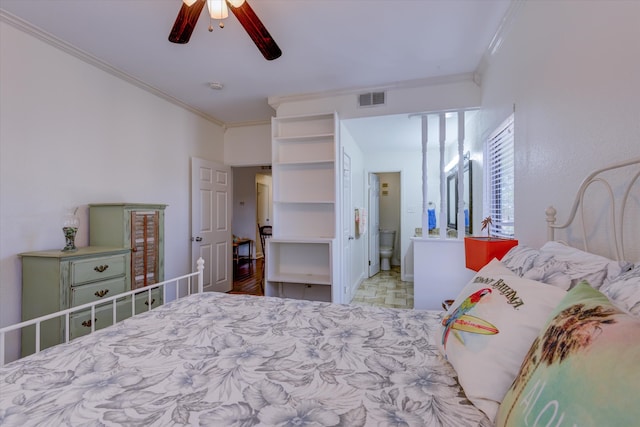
column 215, row 359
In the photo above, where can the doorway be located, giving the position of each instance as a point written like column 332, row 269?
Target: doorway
column 252, row 203
column 387, row 214
column 264, row 206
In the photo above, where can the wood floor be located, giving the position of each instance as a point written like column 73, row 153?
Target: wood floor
column 385, row 289
column 247, row 278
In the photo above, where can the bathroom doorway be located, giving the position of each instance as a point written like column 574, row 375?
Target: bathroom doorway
column 388, row 216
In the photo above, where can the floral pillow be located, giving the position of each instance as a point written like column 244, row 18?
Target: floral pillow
column 488, row 329
column 624, row 291
column 582, row 370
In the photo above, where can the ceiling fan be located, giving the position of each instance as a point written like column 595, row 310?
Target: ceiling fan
column 218, row 9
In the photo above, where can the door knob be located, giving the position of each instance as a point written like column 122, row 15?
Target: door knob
column 197, row 239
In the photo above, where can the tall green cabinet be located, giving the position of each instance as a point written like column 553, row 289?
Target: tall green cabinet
column 139, row 227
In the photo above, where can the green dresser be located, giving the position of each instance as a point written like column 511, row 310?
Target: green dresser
column 55, row 280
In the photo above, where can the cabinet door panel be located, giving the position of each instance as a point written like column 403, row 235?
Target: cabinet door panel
column 144, row 248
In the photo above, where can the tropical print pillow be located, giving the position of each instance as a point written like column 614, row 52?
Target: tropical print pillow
column 582, row 370
column 489, row 328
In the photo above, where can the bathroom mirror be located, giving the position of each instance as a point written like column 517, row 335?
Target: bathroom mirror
column 452, row 198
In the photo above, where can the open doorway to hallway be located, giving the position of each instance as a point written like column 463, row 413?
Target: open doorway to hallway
column 252, row 203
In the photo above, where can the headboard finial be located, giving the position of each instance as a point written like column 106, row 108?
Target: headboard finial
column 551, row 220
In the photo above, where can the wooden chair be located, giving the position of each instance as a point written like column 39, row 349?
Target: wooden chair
column 265, row 233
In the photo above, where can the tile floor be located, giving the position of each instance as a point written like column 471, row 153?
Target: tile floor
column 385, row 289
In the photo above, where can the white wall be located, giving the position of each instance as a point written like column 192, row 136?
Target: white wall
column 443, row 94
column 572, row 69
column 248, row 145
column 72, row 135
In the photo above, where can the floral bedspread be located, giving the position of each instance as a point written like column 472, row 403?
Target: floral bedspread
column 236, row 360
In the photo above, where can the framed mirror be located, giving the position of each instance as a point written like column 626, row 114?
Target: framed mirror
column 452, row 198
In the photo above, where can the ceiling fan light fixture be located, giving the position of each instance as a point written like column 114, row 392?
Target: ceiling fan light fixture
column 217, row 9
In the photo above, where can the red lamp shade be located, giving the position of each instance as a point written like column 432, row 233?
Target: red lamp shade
column 479, row 251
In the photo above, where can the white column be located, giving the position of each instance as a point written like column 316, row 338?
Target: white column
column 461, row 183
column 443, row 179
column 425, row 203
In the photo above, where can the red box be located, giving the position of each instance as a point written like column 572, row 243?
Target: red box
column 479, row 251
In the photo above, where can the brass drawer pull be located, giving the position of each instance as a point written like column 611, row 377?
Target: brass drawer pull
column 101, row 268
column 87, row 323
column 147, row 302
column 101, row 293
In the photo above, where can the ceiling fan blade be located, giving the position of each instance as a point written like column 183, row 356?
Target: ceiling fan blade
column 256, row 30
column 186, row 22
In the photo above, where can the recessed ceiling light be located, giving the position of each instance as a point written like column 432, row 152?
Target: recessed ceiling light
column 215, row 85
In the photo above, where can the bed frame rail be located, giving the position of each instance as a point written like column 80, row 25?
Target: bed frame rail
column 182, row 280
column 618, row 199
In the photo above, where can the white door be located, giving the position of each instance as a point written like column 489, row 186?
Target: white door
column 211, row 222
column 347, row 229
column 374, row 224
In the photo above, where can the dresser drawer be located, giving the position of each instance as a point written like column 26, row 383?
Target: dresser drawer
column 91, row 270
column 80, row 323
column 95, row 291
column 142, row 300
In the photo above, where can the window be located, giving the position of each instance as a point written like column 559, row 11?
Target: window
column 499, row 191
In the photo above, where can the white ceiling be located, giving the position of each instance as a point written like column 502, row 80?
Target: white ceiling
column 327, row 45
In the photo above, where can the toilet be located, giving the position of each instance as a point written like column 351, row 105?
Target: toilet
column 387, row 238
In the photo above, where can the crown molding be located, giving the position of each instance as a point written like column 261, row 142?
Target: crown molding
column 496, row 42
column 247, row 123
column 42, row 35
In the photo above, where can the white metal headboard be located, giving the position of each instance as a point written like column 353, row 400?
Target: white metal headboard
column 623, row 213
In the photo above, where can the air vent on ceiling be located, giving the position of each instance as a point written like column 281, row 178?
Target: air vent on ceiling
column 371, row 99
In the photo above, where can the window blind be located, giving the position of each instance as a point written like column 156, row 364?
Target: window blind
column 500, row 172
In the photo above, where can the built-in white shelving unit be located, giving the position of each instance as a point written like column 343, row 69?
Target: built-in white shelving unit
column 301, row 254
